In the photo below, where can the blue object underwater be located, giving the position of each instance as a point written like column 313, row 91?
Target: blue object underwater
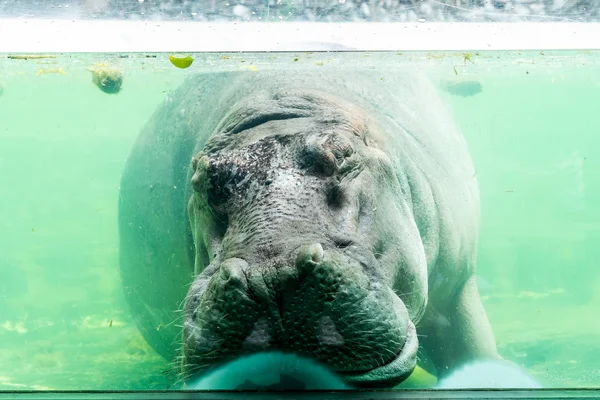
column 489, row 375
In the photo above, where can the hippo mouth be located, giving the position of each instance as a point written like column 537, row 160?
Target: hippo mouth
column 394, row 371
column 327, row 305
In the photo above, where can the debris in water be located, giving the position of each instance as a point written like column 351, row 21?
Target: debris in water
column 465, row 88
column 181, row 62
column 43, row 71
column 108, row 79
column 467, row 57
column 250, row 67
column 29, row 57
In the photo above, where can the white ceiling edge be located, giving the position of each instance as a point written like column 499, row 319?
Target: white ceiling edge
column 45, row 36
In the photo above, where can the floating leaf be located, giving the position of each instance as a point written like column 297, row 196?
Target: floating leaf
column 181, row 62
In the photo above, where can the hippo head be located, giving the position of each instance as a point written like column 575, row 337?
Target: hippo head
column 305, row 241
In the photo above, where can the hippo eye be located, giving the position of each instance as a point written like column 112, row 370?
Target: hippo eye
column 340, row 147
column 330, row 154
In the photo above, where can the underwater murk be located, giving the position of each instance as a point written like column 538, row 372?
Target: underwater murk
column 69, row 121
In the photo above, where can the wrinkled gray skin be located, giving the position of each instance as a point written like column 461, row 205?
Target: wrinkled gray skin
column 322, row 214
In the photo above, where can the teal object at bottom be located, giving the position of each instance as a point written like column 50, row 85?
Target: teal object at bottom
column 270, row 371
column 312, row 395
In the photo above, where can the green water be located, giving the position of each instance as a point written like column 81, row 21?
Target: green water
column 533, row 127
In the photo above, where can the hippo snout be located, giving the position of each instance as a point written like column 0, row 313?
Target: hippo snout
column 234, row 271
column 323, row 304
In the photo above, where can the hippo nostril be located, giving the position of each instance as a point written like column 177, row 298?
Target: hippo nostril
column 309, row 255
column 317, row 253
column 232, row 271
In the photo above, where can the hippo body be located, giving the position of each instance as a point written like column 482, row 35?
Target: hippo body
column 334, row 216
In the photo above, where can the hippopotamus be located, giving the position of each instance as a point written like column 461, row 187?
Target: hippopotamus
column 329, row 214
